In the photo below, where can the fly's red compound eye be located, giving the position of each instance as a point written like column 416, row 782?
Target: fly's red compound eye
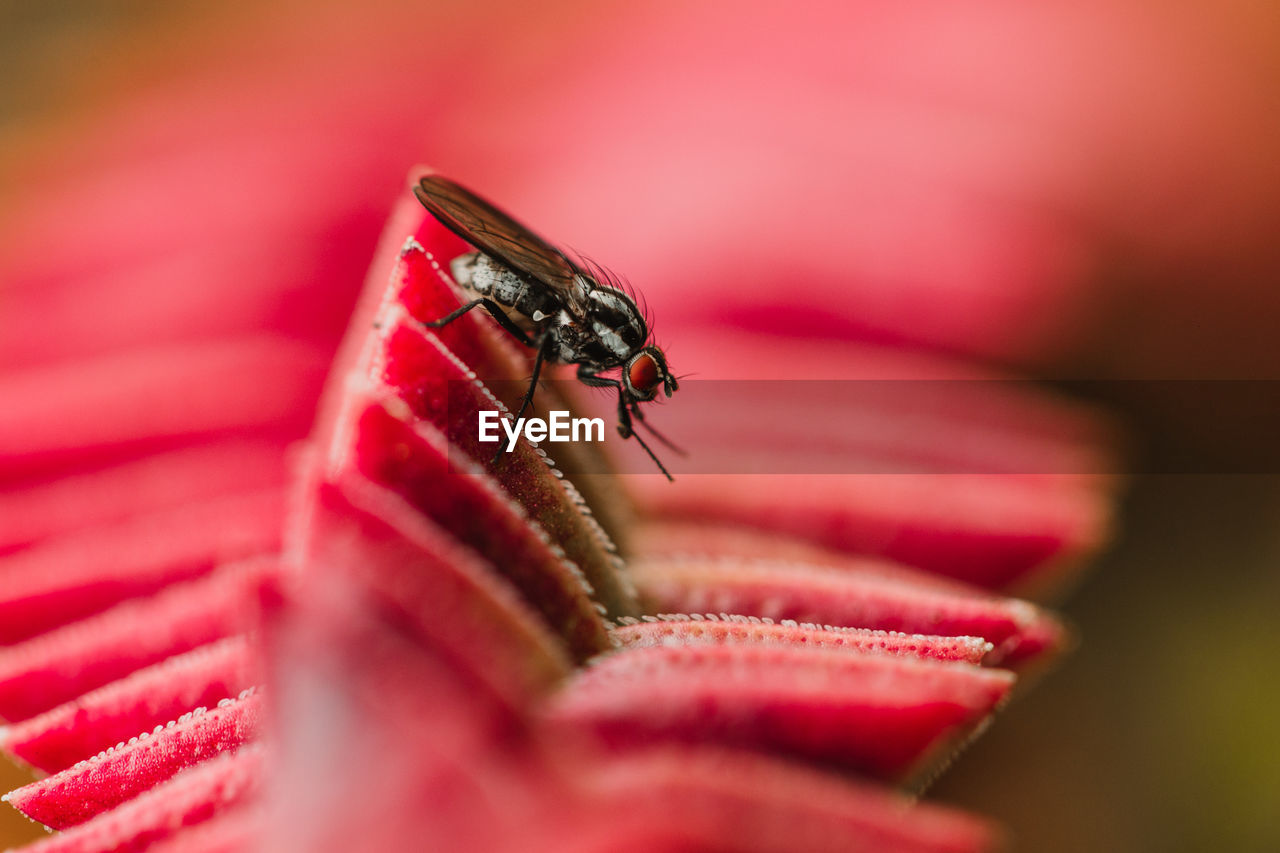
column 645, row 375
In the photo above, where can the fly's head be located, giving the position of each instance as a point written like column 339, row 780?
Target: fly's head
column 645, row 373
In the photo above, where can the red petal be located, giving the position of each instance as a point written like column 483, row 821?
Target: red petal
column 57, row 666
column 887, row 716
column 831, row 596
column 87, row 571
column 166, row 811
column 723, row 629
column 151, row 400
column 113, row 777
column 148, row 485
column 414, row 462
column 443, row 393
column 136, row 703
column 370, row 542
column 419, row 288
column 702, row 799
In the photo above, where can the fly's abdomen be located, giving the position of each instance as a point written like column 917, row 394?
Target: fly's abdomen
column 477, row 273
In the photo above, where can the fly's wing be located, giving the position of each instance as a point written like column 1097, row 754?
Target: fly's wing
column 498, row 235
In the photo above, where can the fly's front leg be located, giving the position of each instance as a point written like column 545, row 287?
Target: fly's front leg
column 587, row 376
column 624, row 416
column 542, row 344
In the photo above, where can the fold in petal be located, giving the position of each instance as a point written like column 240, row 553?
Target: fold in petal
column 889, row 717
column 171, row 809
column 62, row 664
column 137, row 703
column 85, row 572
column 117, row 775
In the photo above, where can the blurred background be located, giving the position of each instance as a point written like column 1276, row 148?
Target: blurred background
column 1085, row 192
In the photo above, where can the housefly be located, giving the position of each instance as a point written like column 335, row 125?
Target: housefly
column 568, row 311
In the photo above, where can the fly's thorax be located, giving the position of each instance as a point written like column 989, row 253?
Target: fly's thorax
column 616, row 322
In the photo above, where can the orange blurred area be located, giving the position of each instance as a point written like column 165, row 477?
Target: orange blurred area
column 1077, row 190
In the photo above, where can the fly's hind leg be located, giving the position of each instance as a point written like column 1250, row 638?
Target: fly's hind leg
column 495, row 311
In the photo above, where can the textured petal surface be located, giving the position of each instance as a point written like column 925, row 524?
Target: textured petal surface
column 409, row 576
column 884, row 716
column 134, row 704
column 117, row 775
column 165, row 812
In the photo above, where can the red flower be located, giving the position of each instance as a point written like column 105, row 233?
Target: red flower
column 430, row 620
column 181, row 348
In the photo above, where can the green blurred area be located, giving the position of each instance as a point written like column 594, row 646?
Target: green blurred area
column 1160, row 732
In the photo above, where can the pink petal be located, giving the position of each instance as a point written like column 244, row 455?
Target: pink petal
column 229, row 831
column 147, row 485
column 887, row 716
column 991, row 531
column 704, row 799
column 683, row 630
column 666, row 540
column 85, row 572
column 386, row 743
column 171, row 810
column 110, row 778
column 154, row 399
column 57, row 666
column 370, row 542
column 148, row 697
column 209, row 289
column 831, row 596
